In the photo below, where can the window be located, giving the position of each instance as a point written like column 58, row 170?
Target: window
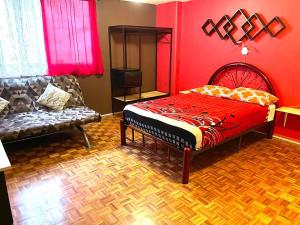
column 49, row 37
column 22, row 49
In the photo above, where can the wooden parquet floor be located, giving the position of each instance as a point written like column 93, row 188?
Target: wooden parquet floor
column 55, row 180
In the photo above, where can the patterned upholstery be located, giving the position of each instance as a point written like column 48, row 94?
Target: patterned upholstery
column 22, row 93
column 24, row 117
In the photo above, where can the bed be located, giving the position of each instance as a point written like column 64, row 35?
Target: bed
column 192, row 123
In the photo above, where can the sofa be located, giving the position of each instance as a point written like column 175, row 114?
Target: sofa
column 25, row 118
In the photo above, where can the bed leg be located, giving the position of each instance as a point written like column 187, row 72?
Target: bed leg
column 271, row 127
column 143, row 136
column 186, row 165
column 123, row 132
column 169, row 153
column 240, row 142
column 132, row 135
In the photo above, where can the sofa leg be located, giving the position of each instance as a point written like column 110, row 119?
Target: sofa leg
column 85, row 137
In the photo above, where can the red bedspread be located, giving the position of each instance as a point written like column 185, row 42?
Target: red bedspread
column 217, row 118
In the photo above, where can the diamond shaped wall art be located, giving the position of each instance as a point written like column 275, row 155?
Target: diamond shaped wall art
column 251, row 26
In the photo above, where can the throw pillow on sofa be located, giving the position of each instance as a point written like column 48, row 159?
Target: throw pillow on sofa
column 54, row 97
column 3, row 104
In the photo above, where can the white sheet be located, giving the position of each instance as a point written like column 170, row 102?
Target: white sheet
column 183, row 125
column 271, row 113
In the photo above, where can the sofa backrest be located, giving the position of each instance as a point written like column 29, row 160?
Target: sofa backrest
column 22, row 93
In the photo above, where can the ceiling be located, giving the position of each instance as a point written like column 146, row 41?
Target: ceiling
column 155, row 2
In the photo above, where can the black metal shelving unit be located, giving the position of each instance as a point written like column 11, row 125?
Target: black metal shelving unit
column 123, row 78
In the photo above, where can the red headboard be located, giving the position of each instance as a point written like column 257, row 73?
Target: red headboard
column 240, row 74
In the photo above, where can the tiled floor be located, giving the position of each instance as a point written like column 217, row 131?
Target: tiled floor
column 55, row 180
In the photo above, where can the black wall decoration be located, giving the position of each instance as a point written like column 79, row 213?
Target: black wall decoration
column 228, row 25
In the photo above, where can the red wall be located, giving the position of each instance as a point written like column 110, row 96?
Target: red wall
column 169, row 15
column 200, row 55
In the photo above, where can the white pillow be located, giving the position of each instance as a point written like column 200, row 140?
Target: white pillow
column 54, row 98
column 3, row 104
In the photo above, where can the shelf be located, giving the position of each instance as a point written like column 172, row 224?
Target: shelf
column 129, row 28
column 185, row 92
column 125, row 69
column 288, row 110
column 123, row 78
column 144, row 96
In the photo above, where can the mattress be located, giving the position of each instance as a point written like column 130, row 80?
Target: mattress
column 195, row 120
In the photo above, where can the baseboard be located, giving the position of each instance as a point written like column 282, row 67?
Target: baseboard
column 281, row 138
column 286, row 139
column 111, row 114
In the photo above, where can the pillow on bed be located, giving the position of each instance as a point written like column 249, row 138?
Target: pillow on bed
column 253, row 96
column 213, row 90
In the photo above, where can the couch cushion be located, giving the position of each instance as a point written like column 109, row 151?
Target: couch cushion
column 22, row 125
column 23, row 92
column 3, row 104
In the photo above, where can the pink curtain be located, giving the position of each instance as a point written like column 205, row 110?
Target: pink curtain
column 71, row 37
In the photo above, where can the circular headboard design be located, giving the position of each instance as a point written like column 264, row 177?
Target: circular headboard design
column 240, row 74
